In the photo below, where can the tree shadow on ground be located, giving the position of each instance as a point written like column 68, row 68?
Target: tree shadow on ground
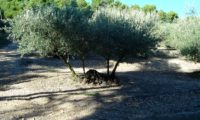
column 16, row 66
column 90, row 62
column 156, row 92
column 7, row 82
column 14, row 69
column 12, row 72
column 55, row 99
column 158, row 64
column 143, row 95
column 51, row 94
column 150, row 95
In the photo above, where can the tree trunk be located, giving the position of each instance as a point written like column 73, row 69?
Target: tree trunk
column 83, row 64
column 108, row 66
column 66, row 62
column 115, row 67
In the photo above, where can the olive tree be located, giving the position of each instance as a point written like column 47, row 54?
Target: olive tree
column 185, row 36
column 102, row 27
column 52, row 30
column 42, row 30
column 124, row 33
column 78, row 31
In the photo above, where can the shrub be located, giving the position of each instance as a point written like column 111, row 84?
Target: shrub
column 184, row 36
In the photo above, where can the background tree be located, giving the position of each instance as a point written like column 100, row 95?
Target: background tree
column 101, row 3
column 62, row 3
column 31, row 3
column 135, row 7
column 184, row 36
column 82, row 3
column 58, row 3
column 149, row 8
column 162, row 15
column 171, row 16
column 85, row 8
column 168, row 17
column 95, row 4
column 11, row 7
column 120, row 5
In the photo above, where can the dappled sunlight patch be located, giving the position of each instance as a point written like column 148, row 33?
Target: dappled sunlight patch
column 185, row 66
column 71, row 114
column 12, row 105
column 40, row 100
column 17, row 108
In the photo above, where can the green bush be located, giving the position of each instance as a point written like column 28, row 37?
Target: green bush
column 185, row 36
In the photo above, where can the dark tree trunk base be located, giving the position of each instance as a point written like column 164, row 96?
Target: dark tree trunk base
column 96, row 78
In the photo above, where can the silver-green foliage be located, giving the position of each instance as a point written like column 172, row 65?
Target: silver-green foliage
column 185, row 36
column 126, row 32
column 48, row 29
column 51, row 30
column 121, row 33
column 112, row 32
column 40, row 30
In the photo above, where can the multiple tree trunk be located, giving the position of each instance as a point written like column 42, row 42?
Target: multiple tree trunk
column 66, row 62
column 115, row 67
column 107, row 77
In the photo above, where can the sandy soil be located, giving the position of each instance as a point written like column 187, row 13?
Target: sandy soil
column 41, row 89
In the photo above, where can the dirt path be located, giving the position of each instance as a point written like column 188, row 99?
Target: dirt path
column 41, row 89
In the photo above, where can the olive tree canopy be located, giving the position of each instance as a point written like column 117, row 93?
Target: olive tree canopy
column 43, row 30
column 121, row 33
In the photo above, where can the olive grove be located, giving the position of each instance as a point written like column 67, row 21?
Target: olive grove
column 105, row 28
column 112, row 33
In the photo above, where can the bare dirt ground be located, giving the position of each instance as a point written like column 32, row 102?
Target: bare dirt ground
column 41, row 89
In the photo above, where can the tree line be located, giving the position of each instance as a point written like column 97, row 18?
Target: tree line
column 10, row 8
